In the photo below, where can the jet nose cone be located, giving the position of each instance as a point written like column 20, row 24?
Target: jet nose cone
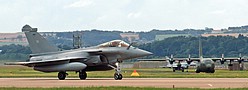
column 144, row 53
column 148, row 53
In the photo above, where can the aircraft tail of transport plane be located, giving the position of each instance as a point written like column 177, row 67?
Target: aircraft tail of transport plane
column 205, row 64
column 106, row 56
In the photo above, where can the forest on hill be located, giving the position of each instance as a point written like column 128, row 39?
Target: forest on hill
column 14, row 52
column 212, row 46
column 95, row 37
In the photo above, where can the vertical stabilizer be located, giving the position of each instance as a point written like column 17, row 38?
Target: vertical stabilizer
column 200, row 48
column 37, row 43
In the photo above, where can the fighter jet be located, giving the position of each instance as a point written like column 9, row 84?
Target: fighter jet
column 48, row 58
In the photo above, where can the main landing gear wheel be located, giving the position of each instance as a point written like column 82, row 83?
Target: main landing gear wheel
column 62, row 75
column 174, row 70
column 197, row 71
column 117, row 76
column 212, row 71
column 182, row 69
column 82, row 75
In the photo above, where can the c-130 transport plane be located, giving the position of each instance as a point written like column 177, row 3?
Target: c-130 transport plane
column 106, row 56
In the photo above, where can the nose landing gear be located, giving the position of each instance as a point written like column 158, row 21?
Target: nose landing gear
column 117, row 75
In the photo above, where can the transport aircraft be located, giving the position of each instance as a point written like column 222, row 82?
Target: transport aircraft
column 48, row 58
column 179, row 65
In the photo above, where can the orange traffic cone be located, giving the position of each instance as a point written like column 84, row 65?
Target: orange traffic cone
column 135, row 73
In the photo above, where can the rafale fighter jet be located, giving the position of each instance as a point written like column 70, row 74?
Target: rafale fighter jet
column 106, row 56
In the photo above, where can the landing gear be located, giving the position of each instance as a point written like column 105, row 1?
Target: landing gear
column 212, row 71
column 197, row 71
column 118, row 75
column 187, row 68
column 174, row 70
column 179, row 68
column 62, row 75
column 82, row 75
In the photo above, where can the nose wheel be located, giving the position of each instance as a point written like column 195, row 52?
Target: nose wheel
column 118, row 76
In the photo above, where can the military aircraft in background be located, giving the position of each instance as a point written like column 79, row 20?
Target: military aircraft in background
column 204, row 64
column 48, row 58
column 179, row 65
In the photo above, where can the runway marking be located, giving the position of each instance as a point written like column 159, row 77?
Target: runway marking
column 210, row 85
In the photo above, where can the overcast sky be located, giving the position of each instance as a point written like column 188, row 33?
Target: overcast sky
column 123, row 15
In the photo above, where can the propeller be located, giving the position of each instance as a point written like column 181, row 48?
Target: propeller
column 222, row 59
column 171, row 60
column 240, row 60
column 189, row 60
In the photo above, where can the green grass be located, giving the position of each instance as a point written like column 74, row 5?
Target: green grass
column 21, row 71
column 116, row 88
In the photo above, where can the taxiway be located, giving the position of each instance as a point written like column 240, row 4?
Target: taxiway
column 132, row 82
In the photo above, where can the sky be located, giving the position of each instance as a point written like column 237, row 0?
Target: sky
column 121, row 15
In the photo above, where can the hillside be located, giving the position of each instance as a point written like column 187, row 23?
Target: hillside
column 212, row 46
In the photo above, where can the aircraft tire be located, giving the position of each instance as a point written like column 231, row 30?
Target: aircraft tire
column 212, row 71
column 61, row 75
column 197, row 71
column 117, row 76
column 120, row 76
column 82, row 75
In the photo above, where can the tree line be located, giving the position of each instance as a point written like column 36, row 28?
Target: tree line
column 212, row 46
column 14, row 52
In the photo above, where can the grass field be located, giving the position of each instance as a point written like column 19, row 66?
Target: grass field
column 21, row 71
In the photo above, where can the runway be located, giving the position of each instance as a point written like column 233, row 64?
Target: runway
column 133, row 82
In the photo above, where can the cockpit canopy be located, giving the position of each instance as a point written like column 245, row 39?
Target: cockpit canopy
column 208, row 61
column 115, row 43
